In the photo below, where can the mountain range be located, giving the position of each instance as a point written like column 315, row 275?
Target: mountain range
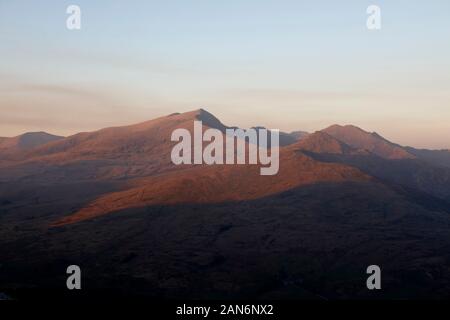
column 112, row 201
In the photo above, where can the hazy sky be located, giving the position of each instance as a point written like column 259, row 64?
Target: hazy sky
column 292, row 65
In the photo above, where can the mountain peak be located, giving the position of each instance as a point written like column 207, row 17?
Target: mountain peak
column 206, row 117
column 30, row 140
column 27, row 141
column 203, row 113
column 373, row 142
column 347, row 127
column 322, row 142
column 38, row 134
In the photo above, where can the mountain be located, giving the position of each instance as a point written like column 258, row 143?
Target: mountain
column 298, row 135
column 418, row 173
column 112, row 202
column 219, row 184
column 125, row 141
column 128, row 141
column 435, row 157
column 285, row 139
column 25, row 142
column 358, row 138
column 112, row 153
column 385, row 160
column 323, row 143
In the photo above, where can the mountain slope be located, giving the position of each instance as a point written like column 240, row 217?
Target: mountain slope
column 112, row 153
column 219, row 183
column 26, row 141
column 125, row 141
column 436, row 157
column 412, row 173
column 385, row 161
column 313, row 241
column 223, row 231
column 322, row 142
column 358, row 138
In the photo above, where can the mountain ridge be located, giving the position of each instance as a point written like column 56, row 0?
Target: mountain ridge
column 373, row 142
column 26, row 141
column 112, row 201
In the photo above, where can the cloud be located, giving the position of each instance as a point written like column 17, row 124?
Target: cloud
column 52, row 89
column 68, row 109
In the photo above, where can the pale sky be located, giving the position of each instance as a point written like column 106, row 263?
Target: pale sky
column 291, row 65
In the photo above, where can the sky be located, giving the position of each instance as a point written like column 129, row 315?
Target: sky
column 290, row 65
